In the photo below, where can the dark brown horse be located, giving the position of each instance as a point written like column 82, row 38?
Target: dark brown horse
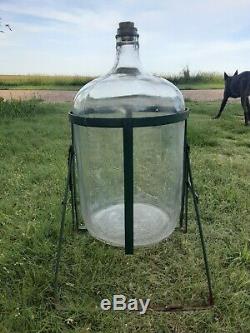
column 237, row 85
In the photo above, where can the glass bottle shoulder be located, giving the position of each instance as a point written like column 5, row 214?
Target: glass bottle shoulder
column 140, row 93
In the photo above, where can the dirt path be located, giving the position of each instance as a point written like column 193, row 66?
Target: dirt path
column 46, row 95
column 67, row 96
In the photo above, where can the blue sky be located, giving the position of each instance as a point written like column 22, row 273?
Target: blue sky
column 77, row 37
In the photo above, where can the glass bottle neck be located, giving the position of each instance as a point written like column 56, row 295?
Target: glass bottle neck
column 127, row 58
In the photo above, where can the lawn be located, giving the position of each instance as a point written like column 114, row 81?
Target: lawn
column 33, row 147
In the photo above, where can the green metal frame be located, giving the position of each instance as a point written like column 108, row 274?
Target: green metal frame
column 188, row 186
column 88, row 121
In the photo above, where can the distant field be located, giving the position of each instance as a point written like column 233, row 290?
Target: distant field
column 64, row 82
column 43, row 81
column 198, row 81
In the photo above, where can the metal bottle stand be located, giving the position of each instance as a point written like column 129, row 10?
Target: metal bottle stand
column 188, row 187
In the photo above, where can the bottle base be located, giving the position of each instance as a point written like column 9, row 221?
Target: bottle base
column 151, row 225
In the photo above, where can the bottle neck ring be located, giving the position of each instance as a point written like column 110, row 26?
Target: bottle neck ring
column 127, row 40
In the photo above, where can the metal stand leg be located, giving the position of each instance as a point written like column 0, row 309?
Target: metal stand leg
column 77, row 226
column 203, row 245
column 73, row 193
column 185, row 187
column 64, row 205
column 189, row 186
column 71, row 187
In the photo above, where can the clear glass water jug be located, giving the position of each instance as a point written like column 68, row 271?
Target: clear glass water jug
column 127, row 91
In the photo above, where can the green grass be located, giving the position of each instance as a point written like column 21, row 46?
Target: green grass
column 33, row 150
column 200, row 80
column 64, row 82
column 200, row 85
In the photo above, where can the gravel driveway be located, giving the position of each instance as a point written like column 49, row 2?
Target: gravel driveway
column 67, row 96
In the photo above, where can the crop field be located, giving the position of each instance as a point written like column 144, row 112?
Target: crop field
column 34, row 139
column 64, row 82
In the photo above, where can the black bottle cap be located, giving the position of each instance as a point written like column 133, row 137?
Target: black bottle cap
column 126, row 29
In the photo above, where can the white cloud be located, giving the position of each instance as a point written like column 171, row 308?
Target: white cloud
column 76, row 36
column 84, row 18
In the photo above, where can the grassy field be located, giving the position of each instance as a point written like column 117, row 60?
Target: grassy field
column 34, row 138
column 197, row 81
column 43, row 82
column 200, row 80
